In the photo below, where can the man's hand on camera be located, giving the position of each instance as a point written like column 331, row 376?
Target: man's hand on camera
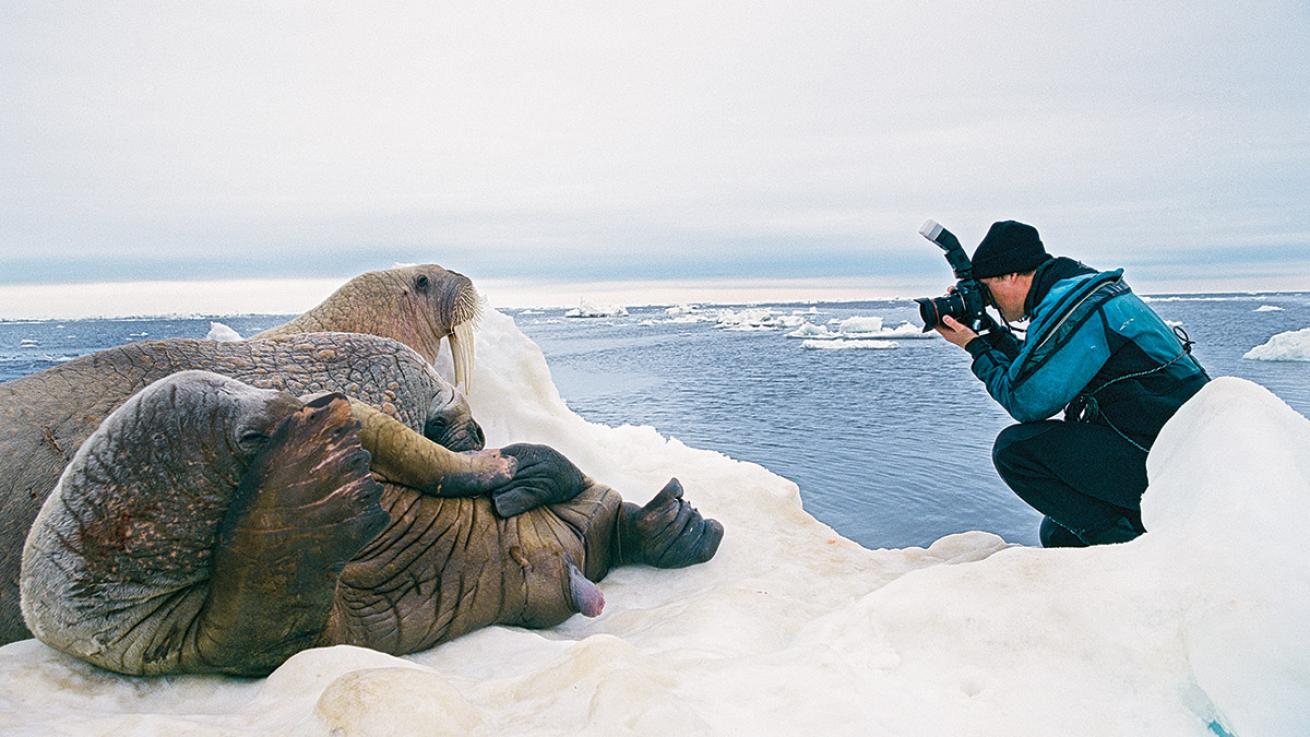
column 954, row 331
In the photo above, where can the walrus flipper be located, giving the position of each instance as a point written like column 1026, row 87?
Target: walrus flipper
column 303, row 509
column 668, row 532
column 542, row 476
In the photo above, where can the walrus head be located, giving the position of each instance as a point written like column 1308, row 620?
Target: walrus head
column 140, row 561
column 417, row 305
column 449, row 422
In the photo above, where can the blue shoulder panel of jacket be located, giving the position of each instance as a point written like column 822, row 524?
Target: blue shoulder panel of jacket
column 1069, row 315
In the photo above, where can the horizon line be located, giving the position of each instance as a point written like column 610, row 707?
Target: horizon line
column 276, row 296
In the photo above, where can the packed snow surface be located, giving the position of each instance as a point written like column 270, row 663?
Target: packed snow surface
column 1195, row 629
column 589, row 309
column 1293, row 345
column 222, row 333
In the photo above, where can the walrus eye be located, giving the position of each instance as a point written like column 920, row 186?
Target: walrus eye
column 252, row 440
column 435, row 429
column 422, row 282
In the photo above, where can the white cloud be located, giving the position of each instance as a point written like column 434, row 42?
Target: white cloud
column 583, row 127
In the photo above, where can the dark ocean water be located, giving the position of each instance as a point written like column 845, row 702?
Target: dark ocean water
column 890, row 447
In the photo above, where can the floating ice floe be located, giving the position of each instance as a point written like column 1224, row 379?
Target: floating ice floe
column 811, row 331
column 861, row 328
column 751, row 319
column 859, row 325
column 28, row 343
column 1196, row 628
column 843, row 344
column 1268, row 308
column 590, row 309
column 681, row 310
column 1290, row 346
column 906, row 330
column 222, row 333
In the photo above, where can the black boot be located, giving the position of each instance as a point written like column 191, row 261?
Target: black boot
column 1055, row 535
column 1121, row 531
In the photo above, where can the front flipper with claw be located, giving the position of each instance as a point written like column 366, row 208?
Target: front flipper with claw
column 543, row 476
column 666, row 533
column 305, row 506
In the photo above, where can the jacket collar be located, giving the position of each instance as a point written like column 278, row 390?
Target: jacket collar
column 1051, row 271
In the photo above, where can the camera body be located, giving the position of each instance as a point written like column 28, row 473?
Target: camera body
column 968, row 302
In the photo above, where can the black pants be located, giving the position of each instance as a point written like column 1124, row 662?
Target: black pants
column 1086, row 479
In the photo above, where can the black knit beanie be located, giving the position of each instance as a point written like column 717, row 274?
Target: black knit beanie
column 1008, row 247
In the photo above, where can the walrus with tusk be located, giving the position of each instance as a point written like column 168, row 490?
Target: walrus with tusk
column 384, row 332
column 210, row 526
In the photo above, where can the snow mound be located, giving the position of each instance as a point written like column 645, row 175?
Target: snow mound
column 222, row 333
column 587, row 309
column 792, row 629
column 1269, row 308
column 1290, row 346
column 847, row 345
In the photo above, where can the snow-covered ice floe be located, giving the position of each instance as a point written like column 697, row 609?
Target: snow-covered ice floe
column 842, row 344
column 794, row 630
column 756, row 318
column 589, row 309
column 1290, row 346
column 1268, row 308
column 859, row 328
column 222, row 333
column 810, row 331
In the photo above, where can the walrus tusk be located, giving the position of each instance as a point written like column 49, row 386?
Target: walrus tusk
column 405, row 457
column 462, row 352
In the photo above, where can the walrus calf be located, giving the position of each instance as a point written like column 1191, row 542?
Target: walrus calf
column 211, row 526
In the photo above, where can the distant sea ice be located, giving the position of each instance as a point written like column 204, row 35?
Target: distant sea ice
column 847, row 345
column 591, row 309
column 858, row 325
column 811, row 331
column 1290, row 346
column 222, row 333
column 1269, row 308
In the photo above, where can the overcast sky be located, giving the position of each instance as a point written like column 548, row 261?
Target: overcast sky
column 651, row 140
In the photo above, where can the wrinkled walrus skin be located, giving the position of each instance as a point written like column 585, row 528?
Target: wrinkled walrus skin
column 45, row 417
column 173, row 544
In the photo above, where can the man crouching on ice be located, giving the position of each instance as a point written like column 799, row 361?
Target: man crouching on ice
column 1093, row 348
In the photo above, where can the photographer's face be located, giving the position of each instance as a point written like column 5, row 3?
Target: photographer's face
column 1008, row 293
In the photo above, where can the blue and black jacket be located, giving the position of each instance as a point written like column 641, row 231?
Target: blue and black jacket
column 1092, row 348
